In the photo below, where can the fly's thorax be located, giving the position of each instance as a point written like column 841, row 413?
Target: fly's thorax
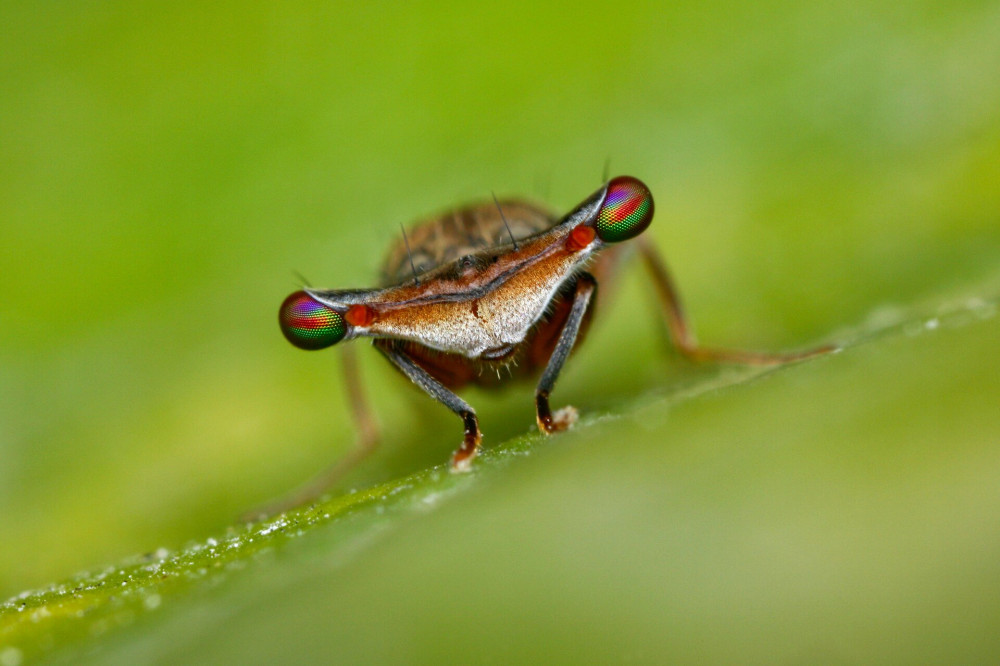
column 484, row 314
column 468, row 231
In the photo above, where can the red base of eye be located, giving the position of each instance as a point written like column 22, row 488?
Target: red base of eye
column 580, row 237
column 359, row 315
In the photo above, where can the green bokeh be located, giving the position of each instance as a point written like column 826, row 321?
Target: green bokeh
column 165, row 168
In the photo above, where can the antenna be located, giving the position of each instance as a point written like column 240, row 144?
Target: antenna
column 607, row 169
column 409, row 254
column 504, row 218
column 301, row 278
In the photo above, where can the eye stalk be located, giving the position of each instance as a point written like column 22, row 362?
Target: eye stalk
column 626, row 212
column 308, row 324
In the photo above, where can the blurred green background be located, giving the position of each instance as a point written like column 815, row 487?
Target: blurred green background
column 164, row 168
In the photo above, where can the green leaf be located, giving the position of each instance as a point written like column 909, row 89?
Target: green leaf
column 807, row 511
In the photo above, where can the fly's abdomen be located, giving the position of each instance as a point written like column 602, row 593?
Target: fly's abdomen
column 462, row 232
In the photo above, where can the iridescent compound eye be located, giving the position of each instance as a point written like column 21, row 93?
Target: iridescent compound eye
column 308, row 324
column 626, row 212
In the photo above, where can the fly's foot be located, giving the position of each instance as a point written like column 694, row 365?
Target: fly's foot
column 460, row 463
column 564, row 419
column 461, row 460
column 548, row 422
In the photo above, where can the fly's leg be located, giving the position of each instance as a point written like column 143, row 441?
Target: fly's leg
column 461, row 460
column 368, row 431
column 368, row 438
column 360, row 410
column 680, row 332
column 548, row 422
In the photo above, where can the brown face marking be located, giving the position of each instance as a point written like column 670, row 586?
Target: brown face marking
column 475, row 308
column 513, row 294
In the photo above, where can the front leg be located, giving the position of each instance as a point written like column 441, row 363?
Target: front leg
column 461, row 460
column 548, row 422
